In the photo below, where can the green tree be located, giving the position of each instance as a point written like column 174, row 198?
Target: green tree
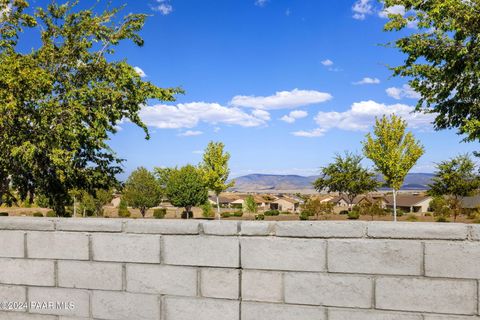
column 186, row 188
column 347, row 177
column 442, row 59
column 207, row 210
column 371, row 209
column 441, row 208
column 455, row 178
column 393, row 151
column 250, row 204
column 123, row 208
column 315, row 207
column 216, row 171
column 62, row 99
column 142, row 190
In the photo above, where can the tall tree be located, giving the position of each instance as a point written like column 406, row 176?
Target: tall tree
column 186, row 188
column 250, row 204
column 393, row 151
column 62, row 99
column 215, row 169
column 347, row 177
column 142, row 190
column 442, row 59
column 455, row 178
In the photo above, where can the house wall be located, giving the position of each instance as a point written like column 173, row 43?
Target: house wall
column 132, row 269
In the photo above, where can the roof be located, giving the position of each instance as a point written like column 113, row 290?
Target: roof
column 358, row 199
column 287, row 200
column 407, row 200
column 220, row 199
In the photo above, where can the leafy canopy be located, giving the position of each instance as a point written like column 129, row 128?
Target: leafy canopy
column 393, row 150
column 346, row 176
column 442, row 59
column 186, row 187
column 142, row 190
column 250, row 204
column 456, row 177
column 60, row 101
column 215, row 167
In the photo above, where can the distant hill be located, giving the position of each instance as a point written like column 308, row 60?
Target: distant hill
column 265, row 182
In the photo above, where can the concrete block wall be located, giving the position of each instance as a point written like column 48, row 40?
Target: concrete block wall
column 113, row 269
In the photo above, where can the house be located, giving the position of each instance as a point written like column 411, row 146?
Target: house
column 285, row 204
column 223, row 201
column 410, row 203
column 262, row 202
column 342, row 201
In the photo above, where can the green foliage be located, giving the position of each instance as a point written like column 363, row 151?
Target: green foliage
column 314, row 207
column 371, row 209
column 41, row 201
column 159, row 213
column 441, row 219
column 50, row 214
column 186, row 187
column 207, row 210
column 63, row 98
column 226, row 214
column 250, row 204
column 440, row 207
column 271, row 213
column 238, row 213
column 344, row 212
column 259, row 216
column 442, row 59
column 142, row 190
column 353, row 214
column 303, row 215
column 393, row 151
column 412, row 218
column 3, row 214
column 346, row 176
column 37, row 214
column 123, row 211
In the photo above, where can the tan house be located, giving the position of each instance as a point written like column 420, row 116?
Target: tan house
column 410, row 203
column 285, row 204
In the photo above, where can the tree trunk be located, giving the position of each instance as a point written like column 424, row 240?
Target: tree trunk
column 74, row 206
column 187, row 208
column 394, row 205
column 142, row 211
column 218, row 209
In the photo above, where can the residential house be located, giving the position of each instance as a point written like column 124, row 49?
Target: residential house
column 410, row 203
column 285, row 204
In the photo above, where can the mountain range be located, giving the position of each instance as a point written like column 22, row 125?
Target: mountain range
column 265, row 182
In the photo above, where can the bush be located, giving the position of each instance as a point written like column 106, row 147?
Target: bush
column 303, row 215
column 123, row 209
column 226, row 214
column 50, row 214
column 238, row 213
column 344, row 212
column 428, row 214
column 159, row 213
column 185, row 216
column 411, row 217
column 285, row 212
column 441, row 219
column 353, row 215
column 3, row 214
column 272, row 213
column 38, row 214
column 207, row 210
column 260, row 216
column 400, row 213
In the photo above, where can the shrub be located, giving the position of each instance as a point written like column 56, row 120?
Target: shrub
column 38, row 214
column 226, row 214
column 238, row 213
column 441, row 219
column 285, row 212
column 207, row 210
column 260, row 216
column 344, row 212
column 428, row 214
column 353, row 215
column 123, row 209
column 159, row 213
column 400, row 213
column 3, row 214
column 50, row 214
column 412, row 218
column 272, row 213
column 303, row 215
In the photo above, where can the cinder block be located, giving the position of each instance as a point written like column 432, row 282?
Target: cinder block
column 200, row 309
column 209, row 251
column 27, row 272
column 89, row 224
column 407, row 230
column 273, row 311
column 328, row 290
column 264, row 286
column 453, row 259
column 475, row 232
column 162, row 226
column 126, row 247
column 24, row 316
column 401, row 257
column 428, row 295
column 219, row 283
column 26, row 223
column 12, row 294
column 12, row 244
column 358, row 314
column 90, row 275
column 449, row 317
column 283, row 254
column 257, row 228
column 111, row 305
column 221, row 228
column 321, row 229
column 172, row 280
column 57, row 245
column 57, row 301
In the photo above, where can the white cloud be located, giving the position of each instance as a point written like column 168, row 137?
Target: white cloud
column 190, row 133
column 327, row 62
column 362, row 8
column 396, row 9
column 261, row 3
column 188, row 115
column 282, row 99
column 163, row 6
column 368, row 80
column 318, row 132
column 216, row 129
column 261, row 114
column 5, row 12
column 294, row 115
column 404, row 92
column 140, row 72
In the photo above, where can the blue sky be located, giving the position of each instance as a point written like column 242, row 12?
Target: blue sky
column 284, row 84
